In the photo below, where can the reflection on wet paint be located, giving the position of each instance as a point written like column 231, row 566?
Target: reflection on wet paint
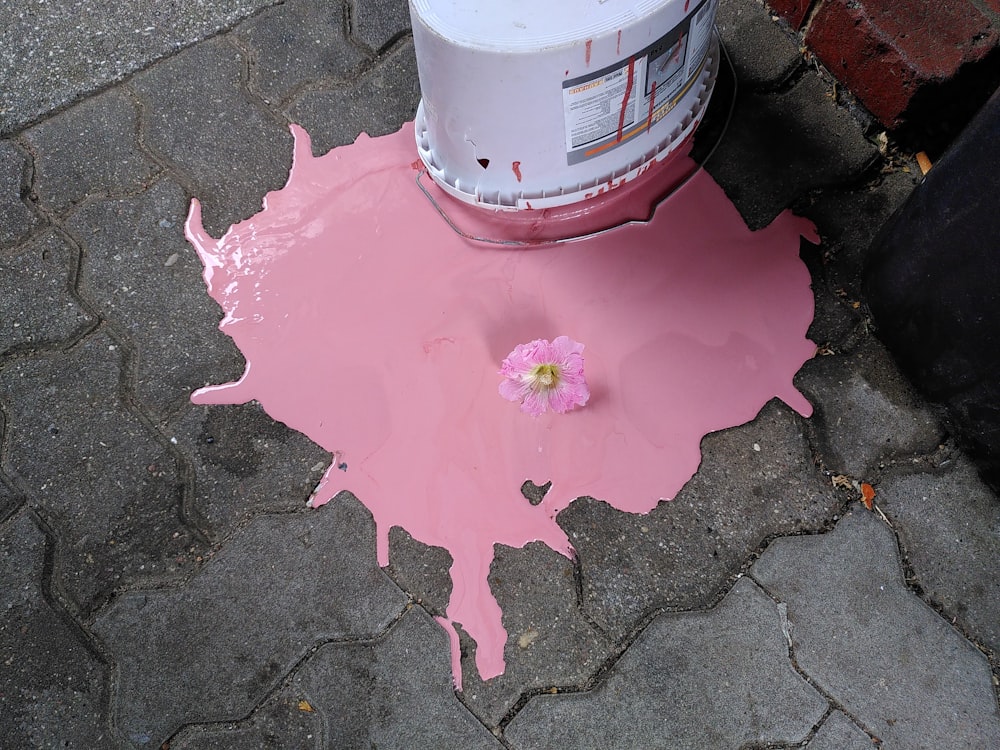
column 376, row 330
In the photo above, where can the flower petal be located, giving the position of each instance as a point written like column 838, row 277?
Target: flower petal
column 568, row 396
column 514, row 390
column 535, row 403
column 563, row 346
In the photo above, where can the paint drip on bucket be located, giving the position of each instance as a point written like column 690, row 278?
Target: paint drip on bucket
column 529, row 106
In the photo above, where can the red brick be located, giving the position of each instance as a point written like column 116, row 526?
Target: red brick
column 793, row 11
column 885, row 51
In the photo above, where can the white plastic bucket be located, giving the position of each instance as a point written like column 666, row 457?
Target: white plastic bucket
column 531, row 104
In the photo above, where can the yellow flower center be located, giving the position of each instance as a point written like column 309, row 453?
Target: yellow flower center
column 545, row 377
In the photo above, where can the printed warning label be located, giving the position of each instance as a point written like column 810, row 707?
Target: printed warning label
column 599, row 107
column 619, row 102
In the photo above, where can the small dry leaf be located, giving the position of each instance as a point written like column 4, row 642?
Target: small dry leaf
column 882, row 139
column 867, row 494
column 842, row 480
column 306, row 706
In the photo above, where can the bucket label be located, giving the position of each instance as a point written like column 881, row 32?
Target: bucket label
column 621, row 101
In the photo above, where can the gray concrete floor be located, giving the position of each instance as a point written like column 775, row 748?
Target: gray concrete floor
column 151, row 550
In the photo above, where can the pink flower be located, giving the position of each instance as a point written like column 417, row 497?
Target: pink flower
column 543, row 375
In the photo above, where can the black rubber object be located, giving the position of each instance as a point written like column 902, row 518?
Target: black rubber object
column 932, row 282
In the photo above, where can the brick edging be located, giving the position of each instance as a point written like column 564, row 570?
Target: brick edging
column 907, row 61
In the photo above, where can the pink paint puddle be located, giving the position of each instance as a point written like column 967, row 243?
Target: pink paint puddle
column 373, row 328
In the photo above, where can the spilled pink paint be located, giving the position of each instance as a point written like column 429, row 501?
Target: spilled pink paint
column 374, row 329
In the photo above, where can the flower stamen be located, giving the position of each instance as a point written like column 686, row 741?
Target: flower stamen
column 545, row 377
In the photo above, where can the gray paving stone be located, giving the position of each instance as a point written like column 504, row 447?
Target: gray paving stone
column 212, row 649
column 836, row 322
column 394, row 693
column 17, row 221
column 847, row 221
column 892, row 662
column 949, row 525
column 376, row 23
column 763, row 54
column 866, row 414
column 717, row 679
column 199, row 116
column 377, row 104
column 91, row 149
column 146, row 280
column 53, row 691
column 682, row 554
column 297, row 43
column 37, row 307
column 52, row 54
column 283, row 722
column 420, row 570
column 245, row 464
column 107, row 488
column 549, row 643
column 801, row 141
column 840, row 733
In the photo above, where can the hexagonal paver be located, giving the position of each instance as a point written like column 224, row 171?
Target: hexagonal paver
column 809, row 142
column 395, row 692
column 376, row 23
column 549, row 643
column 892, row 662
column 836, row 322
column 91, row 149
column 754, row 480
column 199, row 116
column 286, row 721
column 52, row 54
column 37, row 307
column 53, row 692
column 108, row 490
column 210, row 650
column 847, row 221
column 378, row 103
column 865, row 412
column 763, row 54
column 420, row 570
column 299, row 42
column 716, row 679
column 949, row 524
column 146, row 281
column 246, row 463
